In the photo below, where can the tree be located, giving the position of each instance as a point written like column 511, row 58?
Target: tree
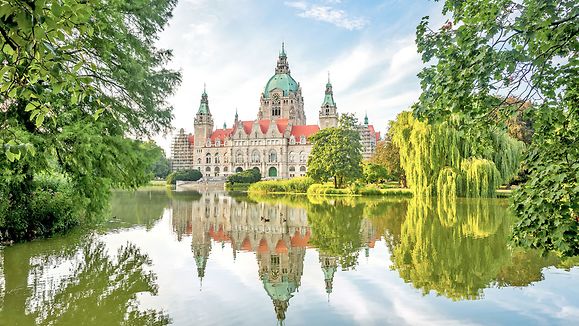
column 159, row 166
column 374, row 173
column 524, row 50
column 388, row 155
column 77, row 79
column 336, row 153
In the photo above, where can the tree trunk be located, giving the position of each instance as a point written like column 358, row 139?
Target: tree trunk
column 335, row 182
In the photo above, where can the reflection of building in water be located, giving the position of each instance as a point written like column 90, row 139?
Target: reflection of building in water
column 369, row 236
column 329, row 267
column 181, row 218
column 278, row 234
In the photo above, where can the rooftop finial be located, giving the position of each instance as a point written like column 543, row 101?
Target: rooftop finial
column 204, row 88
column 366, row 118
column 328, row 76
column 282, row 53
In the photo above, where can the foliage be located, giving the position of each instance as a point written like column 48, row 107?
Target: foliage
column 53, row 209
column 514, row 50
column 336, row 153
column 439, row 159
column 247, row 176
column 159, row 164
column 77, row 78
column 184, row 175
column 547, row 204
column 293, row 185
column 388, row 155
column 374, row 173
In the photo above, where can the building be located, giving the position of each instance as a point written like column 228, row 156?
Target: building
column 276, row 143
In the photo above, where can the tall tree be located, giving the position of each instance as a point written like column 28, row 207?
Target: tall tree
column 78, row 78
column 515, row 49
column 336, row 153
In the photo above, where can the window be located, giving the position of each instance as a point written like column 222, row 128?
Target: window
column 208, row 169
column 217, row 171
column 302, row 169
column 292, row 140
column 302, row 139
column 273, row 156
column 225, row 169
column 239, row 158
column 216, row 158
column 218, row 142
column 302, row 157
column 292, row 169
column 199, row 160
column 208, row 142
column 208, row 158
column 255, row 157
column 275, row 111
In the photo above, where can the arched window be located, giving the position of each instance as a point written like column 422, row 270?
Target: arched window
column 225, row 169
column 239, row 157
column 292, row 169
column 208, row 169
column 292, row 140
column 226, row 158
column 302, row 139
column 273, row 156
column 302, row 168
column 208, row 158
column 238, row 169
column 255, row 157
column 199, row 160
column 217, row 142
column 302, row 157
column 208, row 142
column 216, row 158
column 216, row 171
column 292, row 157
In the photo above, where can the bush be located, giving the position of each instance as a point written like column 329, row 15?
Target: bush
column 294, row 185
column 247, row 176
column 55, row 207
column 185, row 175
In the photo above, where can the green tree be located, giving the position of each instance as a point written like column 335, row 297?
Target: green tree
column 77, row 78
column 336, row 153
column 388, row 155
column 528, row 51
column 159, row 164
column 374, row 173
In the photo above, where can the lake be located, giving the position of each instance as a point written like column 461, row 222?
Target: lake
column 219, row 259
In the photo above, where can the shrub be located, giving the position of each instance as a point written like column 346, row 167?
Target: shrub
column 55, row 207
column 294, row 185
column 247, row 176
column 185, row 175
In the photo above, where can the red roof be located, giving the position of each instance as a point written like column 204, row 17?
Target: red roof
column 298, row 131
column 221, row 134
column 264, row 125
column 378, row 136
column 191, row 139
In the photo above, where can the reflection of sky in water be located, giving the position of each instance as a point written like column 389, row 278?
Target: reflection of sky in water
column 232, row 293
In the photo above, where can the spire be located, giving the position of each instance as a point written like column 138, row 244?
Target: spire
column 366, row 119
column 236, row 115
column 282, row 64
column 329, row 97
column 329, row 84
column 204, row 105
column 282, row 52
column 224, row 125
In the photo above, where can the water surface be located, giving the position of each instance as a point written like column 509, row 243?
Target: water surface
column 219, row 259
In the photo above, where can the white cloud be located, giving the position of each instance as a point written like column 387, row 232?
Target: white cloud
column 328, row 14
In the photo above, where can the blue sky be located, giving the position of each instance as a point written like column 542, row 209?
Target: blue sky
column 232, row 46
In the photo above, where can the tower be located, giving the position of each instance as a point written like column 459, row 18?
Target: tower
column 282, row 95
column 328, row 111
column 203, row 123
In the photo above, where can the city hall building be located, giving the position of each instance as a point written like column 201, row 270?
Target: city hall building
column 277, row 143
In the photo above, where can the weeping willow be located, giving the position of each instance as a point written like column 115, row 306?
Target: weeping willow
column 440, row 160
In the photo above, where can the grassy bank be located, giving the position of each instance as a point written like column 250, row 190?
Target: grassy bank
column 305, row 185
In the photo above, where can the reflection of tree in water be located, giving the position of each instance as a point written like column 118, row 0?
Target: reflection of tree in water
column 336, row 229
column 87, row 288
column 454, row 249
column 387, row 217
column 130, row 209
column 457, row 248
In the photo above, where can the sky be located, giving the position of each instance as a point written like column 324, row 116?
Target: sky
column 232, row 46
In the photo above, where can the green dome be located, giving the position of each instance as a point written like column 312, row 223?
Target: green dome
column 285, row 82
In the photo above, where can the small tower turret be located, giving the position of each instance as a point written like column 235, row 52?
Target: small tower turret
column 328, row 111
column 203, row 123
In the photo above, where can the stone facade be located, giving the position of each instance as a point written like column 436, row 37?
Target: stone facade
column 276, row 143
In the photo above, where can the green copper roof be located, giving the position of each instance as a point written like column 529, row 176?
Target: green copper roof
column 204, row 105
column 329, row 100
column 366, row 119
column 284, row 82
column 282, row 52
column 280, row 291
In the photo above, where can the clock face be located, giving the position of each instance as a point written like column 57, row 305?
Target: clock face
column 276, row 96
